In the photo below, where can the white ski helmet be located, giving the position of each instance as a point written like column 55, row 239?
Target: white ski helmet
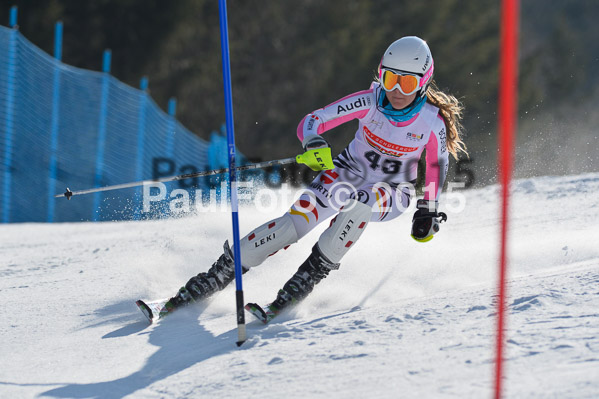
column 409, row 55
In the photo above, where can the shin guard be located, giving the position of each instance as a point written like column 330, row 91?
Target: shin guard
column 344, row 231
column 266, row 240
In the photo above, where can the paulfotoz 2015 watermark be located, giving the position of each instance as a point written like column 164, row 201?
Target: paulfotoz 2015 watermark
column 296, row 175
column 268, row 200
column 270, row 189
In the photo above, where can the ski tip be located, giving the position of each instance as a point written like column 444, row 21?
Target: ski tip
column 257, row 311
column 254, row 307
column 145, row 309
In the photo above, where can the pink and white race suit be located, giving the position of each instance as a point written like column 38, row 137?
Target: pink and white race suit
column 373, row 170
column 382, row 156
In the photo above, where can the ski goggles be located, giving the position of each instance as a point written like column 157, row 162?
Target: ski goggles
column 407, row 84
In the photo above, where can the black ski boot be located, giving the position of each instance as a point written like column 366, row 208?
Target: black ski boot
column 314, row 269
column 207, row 283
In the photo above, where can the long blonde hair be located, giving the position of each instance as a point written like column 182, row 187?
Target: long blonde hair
column 451, row 110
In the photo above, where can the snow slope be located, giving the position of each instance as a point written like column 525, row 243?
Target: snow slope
column 399, row 319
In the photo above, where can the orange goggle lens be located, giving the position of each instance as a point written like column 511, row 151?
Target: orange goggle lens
column 408, row 84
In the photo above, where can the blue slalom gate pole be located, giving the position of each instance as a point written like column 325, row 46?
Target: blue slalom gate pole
column 224, row 42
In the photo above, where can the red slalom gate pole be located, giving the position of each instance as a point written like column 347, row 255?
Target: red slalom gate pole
column 508, row 93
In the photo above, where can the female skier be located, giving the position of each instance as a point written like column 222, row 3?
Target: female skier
column 399, row 116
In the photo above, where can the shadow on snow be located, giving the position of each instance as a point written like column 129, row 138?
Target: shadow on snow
column 182, row 343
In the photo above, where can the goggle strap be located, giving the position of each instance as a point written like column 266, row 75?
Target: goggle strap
column 400, row 72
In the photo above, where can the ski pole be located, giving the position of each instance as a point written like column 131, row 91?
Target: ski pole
column 259, row 165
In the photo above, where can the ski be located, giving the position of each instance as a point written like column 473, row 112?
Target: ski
column 265, row 314
column 154, row 310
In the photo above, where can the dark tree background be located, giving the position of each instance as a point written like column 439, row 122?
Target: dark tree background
column 289, row 58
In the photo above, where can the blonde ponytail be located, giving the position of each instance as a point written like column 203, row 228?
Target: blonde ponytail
column 451, row 110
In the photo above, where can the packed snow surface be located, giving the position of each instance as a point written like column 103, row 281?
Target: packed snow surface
column 398, row 319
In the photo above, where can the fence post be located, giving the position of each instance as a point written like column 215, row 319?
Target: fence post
column 13, row 17
column 55, row 121
column 170, row 137
column 141, row 133
column 102, row 130
column 9, row 124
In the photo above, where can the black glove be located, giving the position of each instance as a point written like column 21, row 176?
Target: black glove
column 314, row 142
column 426, row 220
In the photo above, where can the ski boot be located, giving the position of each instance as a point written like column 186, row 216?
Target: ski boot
column 207, row 283
column 310, row 273
column 182, row 298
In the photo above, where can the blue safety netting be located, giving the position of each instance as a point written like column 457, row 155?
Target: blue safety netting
column 62, row 126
